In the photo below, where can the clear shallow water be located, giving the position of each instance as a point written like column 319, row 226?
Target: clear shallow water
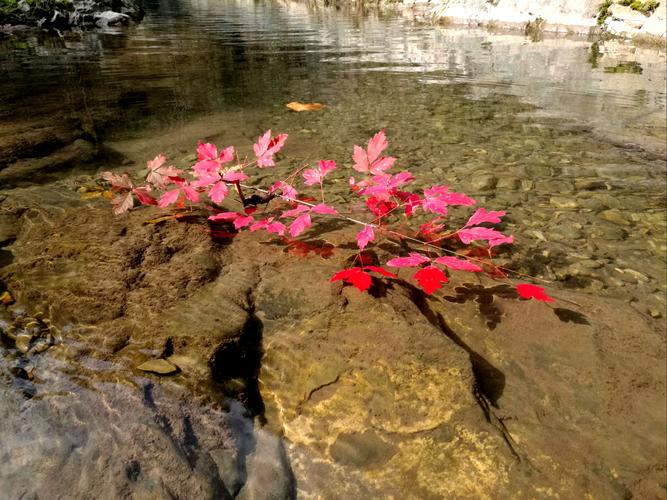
column 566, row 135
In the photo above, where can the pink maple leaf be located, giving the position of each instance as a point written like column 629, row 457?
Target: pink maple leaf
column 365, row 236
column 413, row 259
column 122, row 203
column 311, row 177
column 190, row 193
column 300, row 224
column 287, row 191
column 324, row 209
column 205, row 180
column 458, row 264
column 234, row 176
column 527, row 291
column 209, row 162
column 169, row 197
column 431, row 227
column 118, row 182
column 266, row 147
column 437, row 198
column 218, row 192
column 294, row 212
column 369, row 160
column 384, row 186
column 160, row 175
column 243, row 221
column 224, row 216
column 270, row 225
column 314, row 176
column 430, row 279
column 481, row 215
column 493, row 237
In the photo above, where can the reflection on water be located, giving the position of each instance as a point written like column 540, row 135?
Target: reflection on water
column 568, row 136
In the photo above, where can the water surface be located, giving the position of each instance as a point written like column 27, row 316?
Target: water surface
column 567, row 135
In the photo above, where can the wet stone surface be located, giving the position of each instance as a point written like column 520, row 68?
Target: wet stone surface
column 288, row 385
column 343, row 393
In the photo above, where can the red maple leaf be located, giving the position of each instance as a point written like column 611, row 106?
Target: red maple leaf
column 359, row 277
column 527, row 291
column 354, row 276
column 430, row 279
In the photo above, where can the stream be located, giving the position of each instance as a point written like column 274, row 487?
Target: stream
column 566, row 134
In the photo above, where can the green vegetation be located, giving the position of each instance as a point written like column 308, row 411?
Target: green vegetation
column 643, row 6
column 625, row 67
column 603, row 11
column 9, row 7
column 595, row 55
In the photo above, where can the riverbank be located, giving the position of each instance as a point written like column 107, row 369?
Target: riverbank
column 643, row 21
column 67, row 14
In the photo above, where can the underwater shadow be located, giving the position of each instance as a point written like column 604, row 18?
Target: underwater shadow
column 484, row 297
column 489, row 380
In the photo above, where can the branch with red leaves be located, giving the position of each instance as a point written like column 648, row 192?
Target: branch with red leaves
column 385, row 195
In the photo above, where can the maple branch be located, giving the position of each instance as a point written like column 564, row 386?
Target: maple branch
column 403, row 236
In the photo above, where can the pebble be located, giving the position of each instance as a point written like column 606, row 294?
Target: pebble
column 159, row 366
column 562, row 202
column 509, row 184
column 590, row 185
column 614, row 216
column 654, row 312
column 23, row 342
column 484, row 182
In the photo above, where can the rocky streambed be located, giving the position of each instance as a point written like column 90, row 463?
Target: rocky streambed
column 471, row 393
column 157, row 358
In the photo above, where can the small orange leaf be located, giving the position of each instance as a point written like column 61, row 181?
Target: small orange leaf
column 300, row 106
column 6, row 298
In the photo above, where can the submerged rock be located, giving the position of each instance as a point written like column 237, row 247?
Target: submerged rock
column 159, row 366
column 471, row 393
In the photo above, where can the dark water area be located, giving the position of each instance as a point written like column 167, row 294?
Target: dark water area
column 555, row 128
column 566, row 134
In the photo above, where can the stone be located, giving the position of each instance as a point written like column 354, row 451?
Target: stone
column 615, row 217
column 563, row 203
column 628, row 15
column 483, row 182
column 23, row 342
column 111, row 18
column 8, row 227
column 655, row 25
column 269, row 473
column 509, row 183
column 159, row 366
column 620, row 28
column 590, row 184
column 364, row 449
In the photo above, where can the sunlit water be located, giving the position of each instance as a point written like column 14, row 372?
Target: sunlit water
column 566, row 135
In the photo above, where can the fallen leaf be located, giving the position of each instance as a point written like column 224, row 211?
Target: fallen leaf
column 301, row 106
column 6, row 298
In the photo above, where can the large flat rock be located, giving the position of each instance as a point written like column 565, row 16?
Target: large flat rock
column 471, row 393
